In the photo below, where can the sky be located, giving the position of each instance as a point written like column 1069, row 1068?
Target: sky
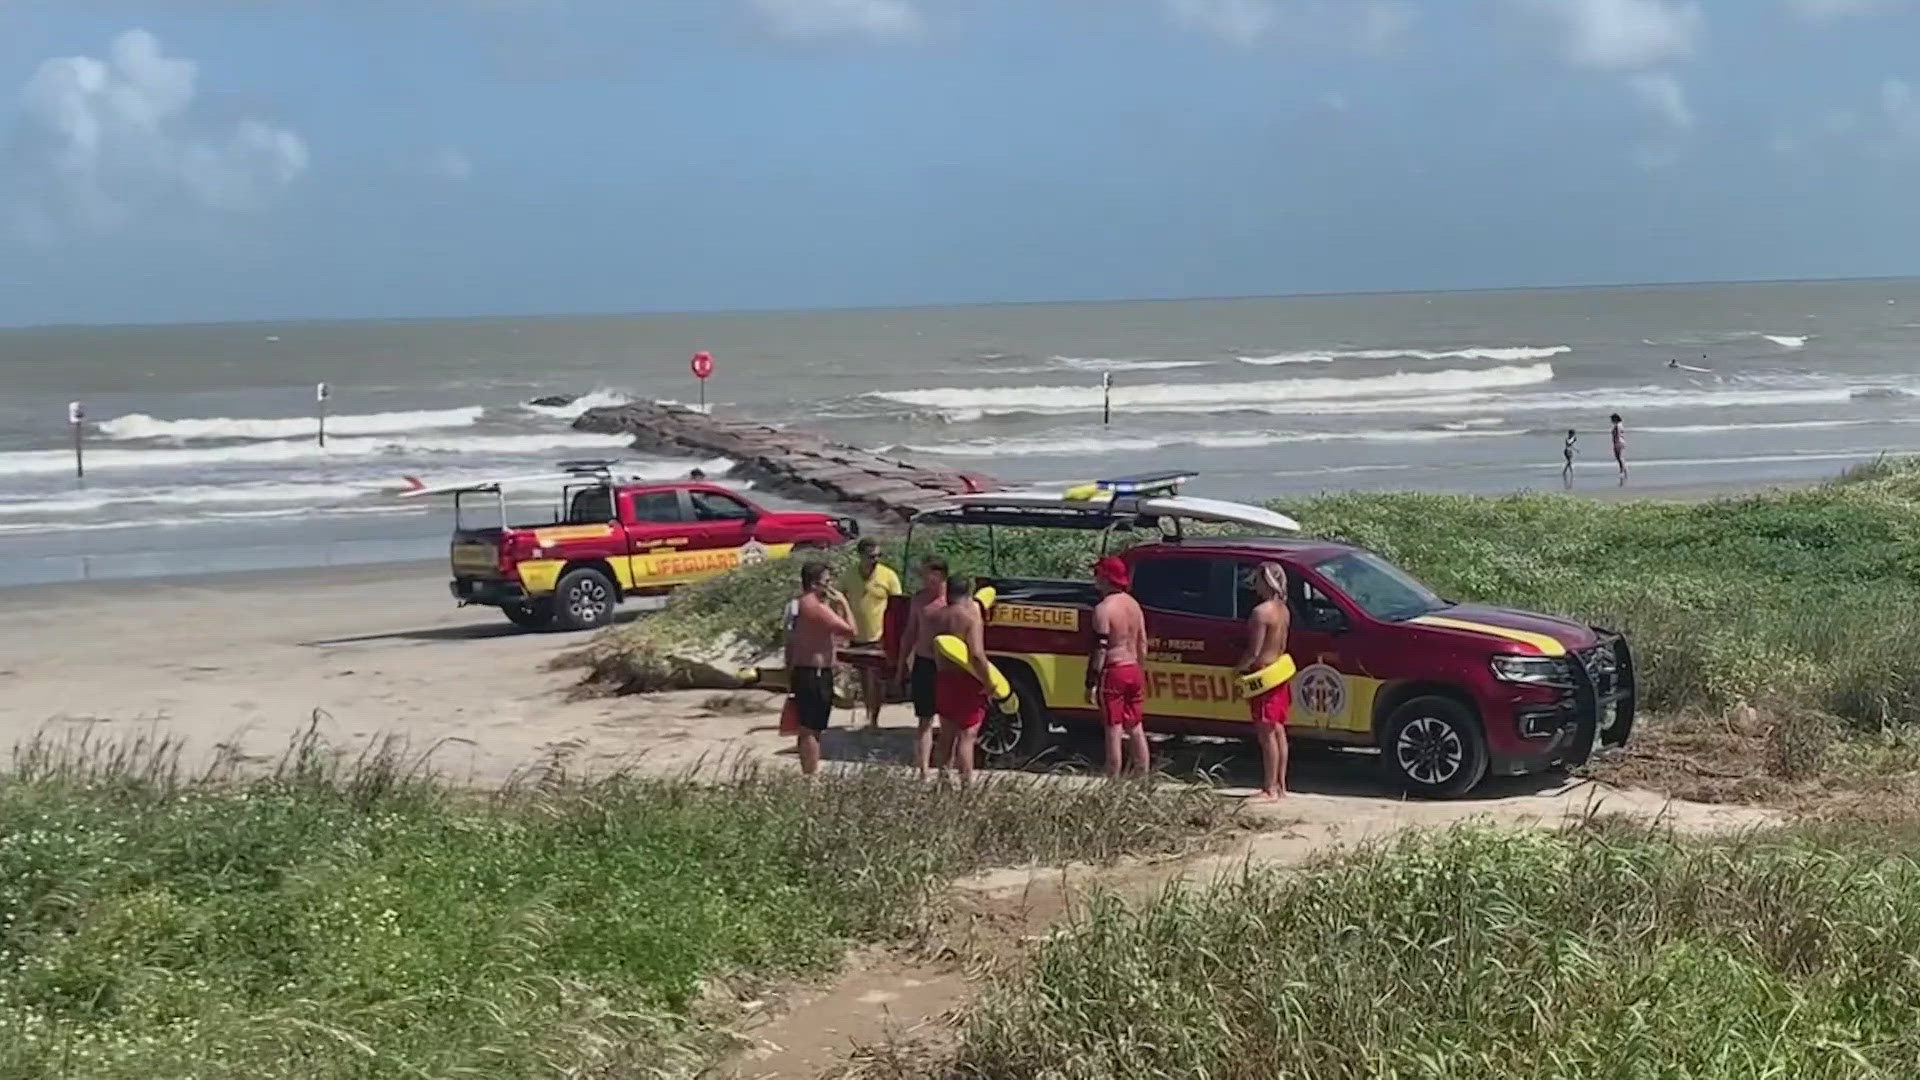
column 201, row 160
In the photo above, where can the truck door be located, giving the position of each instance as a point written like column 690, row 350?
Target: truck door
column 719, row 520
column 1331, row 690
column 1193, row 636
column 657, row 539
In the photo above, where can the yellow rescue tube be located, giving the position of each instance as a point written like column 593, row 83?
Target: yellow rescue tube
column 1274, row 674
column 986, row 596
column 954, row 651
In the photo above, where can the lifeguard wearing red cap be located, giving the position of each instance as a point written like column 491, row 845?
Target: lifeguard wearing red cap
column 1115, row 570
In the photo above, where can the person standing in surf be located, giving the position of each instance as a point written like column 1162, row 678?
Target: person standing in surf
column 1620, row 447
column 1567, row 451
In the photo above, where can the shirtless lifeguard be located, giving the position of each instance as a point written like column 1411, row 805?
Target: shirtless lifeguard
column 1115, row 680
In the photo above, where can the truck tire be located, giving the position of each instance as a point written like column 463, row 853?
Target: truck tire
column 1434, row 747
column 1015, row 740
column 532, row 615
column 583, row 600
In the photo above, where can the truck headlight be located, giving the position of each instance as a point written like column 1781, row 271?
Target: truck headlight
column 848, row 527
column 1532, row 670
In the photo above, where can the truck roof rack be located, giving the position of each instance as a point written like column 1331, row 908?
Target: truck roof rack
column 588, row 466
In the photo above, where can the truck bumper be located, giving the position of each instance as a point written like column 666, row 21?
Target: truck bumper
column 1597, row 711
column 490, row 592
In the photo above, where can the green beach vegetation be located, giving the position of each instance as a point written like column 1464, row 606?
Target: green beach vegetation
column 1605, row 950
column 365, row 921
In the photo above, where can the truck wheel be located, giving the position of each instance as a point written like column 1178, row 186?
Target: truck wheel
column 1434, row 747
column 1017, row 739
column 583, row 600
column 532, row 615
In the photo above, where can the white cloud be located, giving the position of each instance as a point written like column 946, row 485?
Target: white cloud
column 449, row 163
column 1371, row 25
column 1902, row 108
column 1824, row 10
column 1622, row 34
column 1383, row 23
column 1237, row 22
column 1663, row 96
column 95, row 142
column 880, row 21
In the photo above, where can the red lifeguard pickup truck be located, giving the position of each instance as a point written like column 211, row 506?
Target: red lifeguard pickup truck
column 613, row 539
column 1448, row 693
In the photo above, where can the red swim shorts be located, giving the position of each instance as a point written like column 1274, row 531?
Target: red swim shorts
column 1123, row 695
column 1272, row 707
column 958, row 699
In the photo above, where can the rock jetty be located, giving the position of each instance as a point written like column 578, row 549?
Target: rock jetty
column 796, row 462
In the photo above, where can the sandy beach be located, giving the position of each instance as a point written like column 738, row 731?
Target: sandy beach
column 241, row 662
column 244, row 660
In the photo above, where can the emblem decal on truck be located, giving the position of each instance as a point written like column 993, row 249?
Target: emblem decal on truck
column 1320, row 692
column 753, row 553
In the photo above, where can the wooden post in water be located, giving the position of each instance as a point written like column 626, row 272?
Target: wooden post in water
column 320, row 397
column 76, row 419
column 1106, row 397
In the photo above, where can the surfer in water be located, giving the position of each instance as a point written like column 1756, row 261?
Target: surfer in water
column 1620, row 447
column 1567, row 451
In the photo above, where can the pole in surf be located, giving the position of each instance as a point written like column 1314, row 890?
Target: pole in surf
column 1106, row 397
column 320, row 394
column 76, row 419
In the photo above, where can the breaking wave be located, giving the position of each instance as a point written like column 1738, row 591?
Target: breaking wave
column 1512, row 354
column 1787, row 341
column 29, row 462
column 1094, row 445
column 142, row 426
column 1210, row 397
column 593, row 400
column 1101, row 363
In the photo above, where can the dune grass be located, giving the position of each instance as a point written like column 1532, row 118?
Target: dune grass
column 361, row 920
column 1609, row 950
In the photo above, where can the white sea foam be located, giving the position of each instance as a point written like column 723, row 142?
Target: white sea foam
column 142, row 426
column 191, row 495
column 1095, row 445
column 1101, row 363
column 1211, row 397
column 1510, row 354
column 1787, row 341
column 592, row 400
column 28, row 462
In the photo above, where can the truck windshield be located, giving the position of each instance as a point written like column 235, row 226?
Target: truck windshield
column 1382, row 589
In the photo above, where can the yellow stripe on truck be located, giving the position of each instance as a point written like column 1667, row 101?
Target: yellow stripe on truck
column 1548, row 646
column 565, row 533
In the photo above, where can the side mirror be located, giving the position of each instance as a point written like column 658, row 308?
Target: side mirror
column 1326, row 618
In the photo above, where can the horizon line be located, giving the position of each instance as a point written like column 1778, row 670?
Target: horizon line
column 931, row 305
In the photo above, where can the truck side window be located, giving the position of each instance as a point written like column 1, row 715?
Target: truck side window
column 591, row 506
column 713, row 506
column 1187, row 586
column 658, row 506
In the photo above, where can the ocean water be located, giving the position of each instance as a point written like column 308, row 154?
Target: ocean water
column 201, row 452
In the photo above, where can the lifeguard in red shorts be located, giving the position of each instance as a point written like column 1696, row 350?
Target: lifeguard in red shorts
column 1114, row 679
column 959, row 694
column 1266, row 642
